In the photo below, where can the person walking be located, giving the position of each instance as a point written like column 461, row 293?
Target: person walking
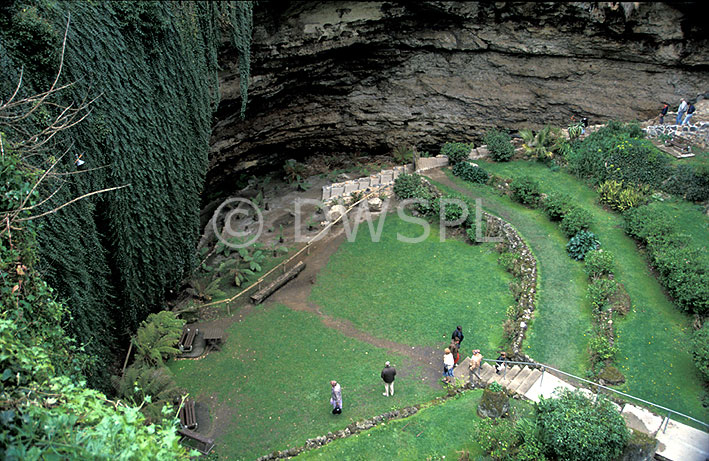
column 680, row 111
column 448, row 366
column 336, row 398
column 500, row 362
column 690, row 112
column 455, row 351
column 388, row 374
column 458, row 333
column 663, row 112
column 475, row 363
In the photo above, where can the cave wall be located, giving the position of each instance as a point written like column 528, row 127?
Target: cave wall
column 364, row 77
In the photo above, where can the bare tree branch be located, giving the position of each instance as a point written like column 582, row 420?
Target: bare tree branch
column 30, row 218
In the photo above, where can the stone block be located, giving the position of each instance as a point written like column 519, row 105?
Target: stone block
column 387, row 177
column 336, row 191
column 326, row 193
column 363, row 183
column 641, row 419
column 374, row 181
column 351, row 186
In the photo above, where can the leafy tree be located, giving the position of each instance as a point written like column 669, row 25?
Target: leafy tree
column 574, row 428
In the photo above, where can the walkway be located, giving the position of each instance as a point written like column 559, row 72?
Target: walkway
column 563, row 314
column 678, row 442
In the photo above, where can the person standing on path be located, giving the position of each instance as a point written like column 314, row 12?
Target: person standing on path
column 388, row 374
column 690, row 112
column 663, row 112
column 448, row 366
column 455, row 351
column 336, row 398
column 458, row 333
column 680, row 111
column 475, row 363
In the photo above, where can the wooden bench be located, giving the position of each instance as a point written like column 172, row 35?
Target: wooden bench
column 213, row 337
column 188, row 417
column 187, row 338
column 204, row 444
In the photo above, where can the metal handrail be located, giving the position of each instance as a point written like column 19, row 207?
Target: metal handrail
column 545, row 367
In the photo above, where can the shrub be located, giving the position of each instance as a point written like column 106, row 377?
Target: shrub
column 574, row 428
column 403, row 154
column 408, row 186
column 525, row 190
column 555, row 205
column 700, row 349
column 648, row 223
column 600, row 348
column 495, row 387
column 689, row 182
column 470, row 173
column 598, row 263
column 575, row 220
column 499, row 144
column 581, row 243
column 497, row 437
column 600, row 291
column 456, row 151
column 613, row 194
column 155, row 386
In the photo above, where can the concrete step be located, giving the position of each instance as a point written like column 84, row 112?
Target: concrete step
column 461, row 371
column 486, row 373
column 531, row 379
column 519, row 379
column 680, row 442
column 545, row 387
column 509, row 375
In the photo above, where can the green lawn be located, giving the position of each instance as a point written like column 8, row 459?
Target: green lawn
column 563, row 314
column 654, row 342
column 416, row 293
column 268, row 388
column 437, row 432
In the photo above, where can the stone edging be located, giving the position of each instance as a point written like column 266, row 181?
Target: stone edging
column 497, row 226
column 356, row 427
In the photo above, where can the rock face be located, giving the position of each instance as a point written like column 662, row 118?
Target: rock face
column 364, row 77
column 493, row 404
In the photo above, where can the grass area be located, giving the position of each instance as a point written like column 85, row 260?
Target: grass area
column 417, row 293
column 563, row 313
column 268, row 388
column 437, row 432
column 653, row 338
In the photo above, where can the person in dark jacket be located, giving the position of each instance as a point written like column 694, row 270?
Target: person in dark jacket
column 663, row 112
column 458, row 333
column 500, row 362
column 388, row 374
column 690, row 112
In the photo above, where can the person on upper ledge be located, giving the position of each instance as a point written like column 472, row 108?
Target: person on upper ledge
column 690, row 112
column 663, row 112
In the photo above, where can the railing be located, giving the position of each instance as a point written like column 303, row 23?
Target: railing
column 669, row 411
column 305, row 249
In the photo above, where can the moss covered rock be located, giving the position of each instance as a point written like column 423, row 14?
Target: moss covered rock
column 493, row 404
column 611, row 375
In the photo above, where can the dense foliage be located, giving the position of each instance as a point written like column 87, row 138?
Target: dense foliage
column 620, row 198
column 499, row 144
column 526, row 190
column 581, row 243
column 700, row 348
column 690, row 182
column 683, row 268
column 574, row 428
column 456, row 151
column 46, row 410
column 598, row 263
column 556, row 205
column 113, row 258
column 575, row 220
column 470, row 172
